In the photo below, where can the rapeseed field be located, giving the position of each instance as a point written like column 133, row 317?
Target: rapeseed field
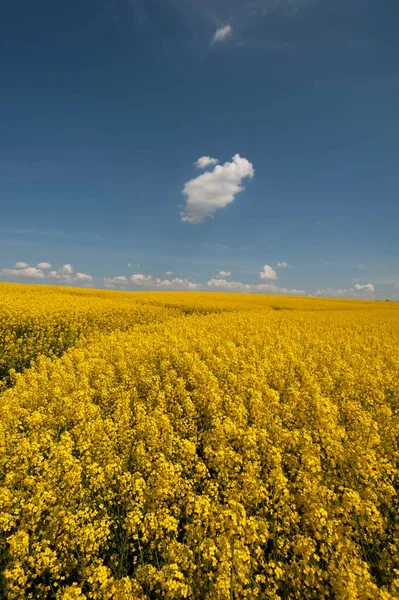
column 197, row 445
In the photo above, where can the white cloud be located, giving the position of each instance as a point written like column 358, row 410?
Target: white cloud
column 205, row 161
column 129, row 265
column 224, row 274
column 67, row 269
column 215, row 189
column 177, row 283
column 44, row 265
column 283, row 264
column 84, row 277
column 237, row 286
column 147, row 280
column 141, row 279
column 21, row 265
column 268, row 273
column 118, row 280
column 29, row 272
column 168, row 273
column 274, row 289
column 66, row 274
column 367, row 288
column 222, row 284
column 222, row 33
column 63, row 274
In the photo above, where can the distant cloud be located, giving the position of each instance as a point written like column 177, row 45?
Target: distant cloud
column 215, row 189
column 44, row 265
column 114, row 281
column 237, row 286
column 367, row 288
column 66, row 274
column 205, row 161
column 29, row 272
column 176, row 284
column 222, row 33
column 129, row 265
column 283, row 264
column 141, row 279
column 224, row 274
column 268, row 273
column 84, row 277
column 169, row 273
column 21, row 265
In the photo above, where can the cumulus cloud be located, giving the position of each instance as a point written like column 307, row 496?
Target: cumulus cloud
column 268, row 273
column 29, row 272
column 222, row 33
column 224, row 274
column 168, row 273
column 237, row 286
column 148, row 281
column 44, row 265
column 282, row 264
column 21, row 265
column 356, row 290
column 215, row 189
column 205, row 161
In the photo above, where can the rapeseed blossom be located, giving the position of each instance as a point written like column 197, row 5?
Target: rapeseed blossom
column 207, row 446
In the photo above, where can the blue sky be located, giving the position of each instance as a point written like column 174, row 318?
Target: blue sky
column 106, row 105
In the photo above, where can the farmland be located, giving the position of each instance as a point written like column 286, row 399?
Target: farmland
column 197, row 445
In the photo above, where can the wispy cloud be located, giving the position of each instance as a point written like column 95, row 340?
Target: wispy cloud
column 215, row 189
column 222, row 33
column 283, row 264
column 205, row 161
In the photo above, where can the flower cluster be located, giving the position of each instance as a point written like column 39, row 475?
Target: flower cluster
column 223, row 447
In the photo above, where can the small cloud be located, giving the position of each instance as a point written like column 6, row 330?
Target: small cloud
column 215, row 189
column 367, row 287
column 282, row 264
column 84, row 277
column 129, row 265
column 21, row 265
column 268, row 273
column 222, row 33
column 224, row 274
column 114, row 281
column 205, row 161
column 44, row 265
column 169, row 273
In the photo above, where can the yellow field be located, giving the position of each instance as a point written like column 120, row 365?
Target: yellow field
column 197, row 445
